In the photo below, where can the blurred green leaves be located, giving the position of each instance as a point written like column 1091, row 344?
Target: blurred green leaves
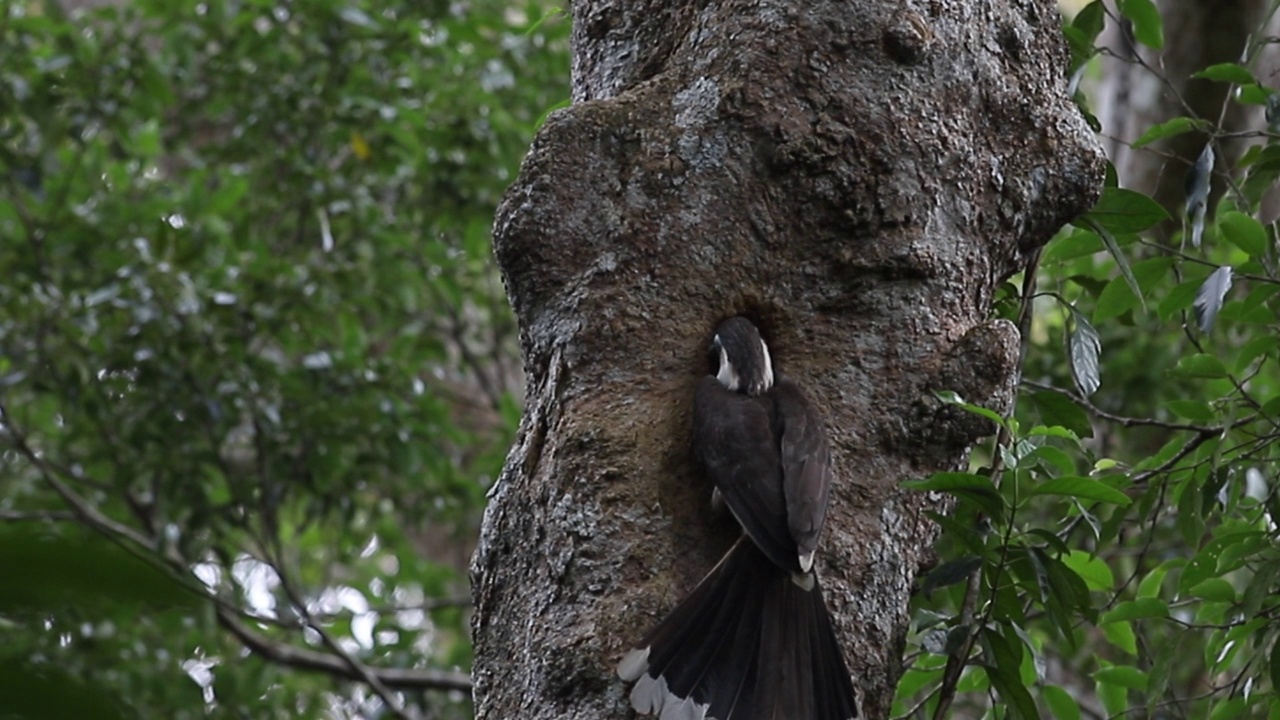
column 71, row 568
column 1127, row 539
column 249, row 312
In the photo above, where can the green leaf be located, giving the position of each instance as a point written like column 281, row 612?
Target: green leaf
column 1002, row 651
column 1121, row 635
column 1061, row 705
column 1123, row 211
column 1083, row 488
column 1150, row 272
column 1238, row 311
column 1079, row 242
column 1167, row 654
column 1068, row 587
column 1179, row 298
column 1209, row 561
column 916, row 679
column 967, row 487
column 1050, row 457
column 1151, row 584
column 1036, row 562
column 1226, row 72
column 1115, row 698
column 1200, row 366
column 1229, row 709
column 1260, row 155
column 1090, row 20
column 1124, row 676
column 1194, row 410
column 1169, row 128
column 1116, row 299
column 1009, row 686
column 1096, row 573
column 1080, row 44
column 1113, row 247
column 1260, row 587
column 952, row 398
column 552, row 13
column 1085, row 349
column 1056, row 431
column 950, row 573
column 1259, row 296
column 1051, row 541
column 1271, row 408
column 1139, row 609
column 1244, row 232
column 1190, row 522
column 1243, row 547
column 1058, row 409
column 1215, row 590
column 1253, row 95
column 1247, row 629
column 1148, row 28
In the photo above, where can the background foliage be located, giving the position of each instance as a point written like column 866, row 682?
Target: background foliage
column 1114, row 550
column 256, row 373
column 256, row 369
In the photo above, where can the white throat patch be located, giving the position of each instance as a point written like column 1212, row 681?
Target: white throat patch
column 768, row 365
column 728, row 375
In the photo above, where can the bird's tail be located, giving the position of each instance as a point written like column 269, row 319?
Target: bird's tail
column 752, row 642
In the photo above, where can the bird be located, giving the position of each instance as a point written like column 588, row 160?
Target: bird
column 753, row 640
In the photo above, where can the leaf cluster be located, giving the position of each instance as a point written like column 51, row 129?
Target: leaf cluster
column 251, row 337
column 1113, row 552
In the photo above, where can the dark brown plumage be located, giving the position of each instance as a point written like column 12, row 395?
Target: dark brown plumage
column 753, row 641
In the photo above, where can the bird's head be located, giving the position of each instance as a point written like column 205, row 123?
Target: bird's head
column 741, row 357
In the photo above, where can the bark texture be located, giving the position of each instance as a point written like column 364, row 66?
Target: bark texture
column 856, row 177
column 1141, row 87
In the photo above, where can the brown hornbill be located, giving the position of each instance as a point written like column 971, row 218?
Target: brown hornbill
column 753, row 640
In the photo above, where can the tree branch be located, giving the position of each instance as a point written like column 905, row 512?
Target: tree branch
column 304, row 659
column 342, row 664
column 361, row 671
column 36, row 516
column 1120, row 419
column 80, row 508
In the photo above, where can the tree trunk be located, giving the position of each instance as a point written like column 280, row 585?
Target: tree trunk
column 856, row 177
column 1141, row 87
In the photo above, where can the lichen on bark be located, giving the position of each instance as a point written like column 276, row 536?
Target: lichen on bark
column 856, row 177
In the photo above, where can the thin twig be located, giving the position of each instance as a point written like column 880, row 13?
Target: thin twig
column 292, row 656
column 1119, row 419
column 36, row 516
column 356, row 667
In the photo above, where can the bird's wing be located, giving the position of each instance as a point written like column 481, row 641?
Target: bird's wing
column 734, row 440
column 806, row 464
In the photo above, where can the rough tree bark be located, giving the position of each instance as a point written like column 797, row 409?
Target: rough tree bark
column 856, row 176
